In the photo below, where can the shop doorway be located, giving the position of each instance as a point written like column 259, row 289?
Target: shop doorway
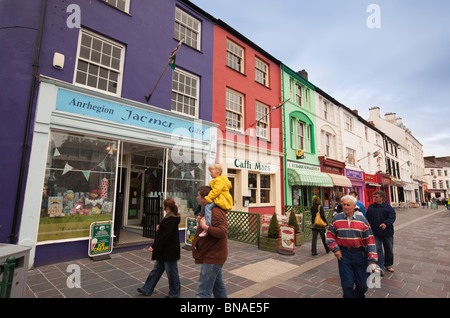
column 141, row 178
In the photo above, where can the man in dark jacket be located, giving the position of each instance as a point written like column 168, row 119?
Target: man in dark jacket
column 381, row 217
column 211, row 251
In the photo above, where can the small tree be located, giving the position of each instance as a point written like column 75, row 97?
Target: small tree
column 293, row 221
column 273, row 227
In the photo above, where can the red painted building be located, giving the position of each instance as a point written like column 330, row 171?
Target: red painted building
column 246, row 88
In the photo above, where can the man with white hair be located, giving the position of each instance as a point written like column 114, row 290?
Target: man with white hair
column 350, row 238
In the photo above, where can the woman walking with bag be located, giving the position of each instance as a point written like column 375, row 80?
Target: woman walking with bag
column 166, row 252
column 317, row 210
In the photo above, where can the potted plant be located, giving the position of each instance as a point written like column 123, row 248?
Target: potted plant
column 270, row 242
column 292, row 221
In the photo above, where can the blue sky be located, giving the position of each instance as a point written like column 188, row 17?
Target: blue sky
column 402, row 67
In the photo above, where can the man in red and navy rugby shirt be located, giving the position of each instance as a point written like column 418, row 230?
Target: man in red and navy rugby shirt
column 350, row 238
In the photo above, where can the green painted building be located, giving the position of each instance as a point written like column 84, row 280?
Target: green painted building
column 303, row 179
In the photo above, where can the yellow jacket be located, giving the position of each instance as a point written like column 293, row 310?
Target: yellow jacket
column 220, row 193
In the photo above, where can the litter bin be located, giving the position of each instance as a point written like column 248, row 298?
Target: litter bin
column 21, row 255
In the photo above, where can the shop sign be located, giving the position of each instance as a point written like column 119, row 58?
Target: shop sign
column 100, row 240
column 191, row 224
column 354, row 174
column 286, row 239
column 370, row 178
column 98, row 108
column 246, row 164
column 301, row 166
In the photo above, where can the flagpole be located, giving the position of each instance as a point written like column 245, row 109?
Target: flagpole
column 150, row 96
column 171, row 58
column 275, row 108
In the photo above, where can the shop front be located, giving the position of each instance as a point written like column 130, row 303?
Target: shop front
column 255, row 176
column 335, row 170
column 358, row 184
column 385, row 185
column 306, row 181
column 99, row 158
column 371, row 186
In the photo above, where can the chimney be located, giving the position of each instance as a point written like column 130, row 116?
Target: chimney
column 303, row 74
column 390, row 117
column 374, row 112
column 355, row 111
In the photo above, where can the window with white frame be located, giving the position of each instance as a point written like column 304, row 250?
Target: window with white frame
column 300, row 135
column 348, row 123
column 325, row 109
column 298, row 94
column 123, row 5
column 234, row 109
column 235, row 56
column 351, row 156
column 187, row 28
column 261, row 72
column 99, row 63
column 259, row 188
column 262, row 120
column 185, row 93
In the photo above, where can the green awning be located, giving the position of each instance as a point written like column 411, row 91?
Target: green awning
column 309, row 178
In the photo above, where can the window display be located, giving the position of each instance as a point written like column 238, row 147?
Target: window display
column 183, row 180
column 78, row 187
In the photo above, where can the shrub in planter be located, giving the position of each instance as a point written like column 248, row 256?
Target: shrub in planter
column 273, row 227
column 292, row 221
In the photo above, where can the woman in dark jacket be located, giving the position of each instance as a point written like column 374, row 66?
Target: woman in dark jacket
column 316, row 229
column 166, row 252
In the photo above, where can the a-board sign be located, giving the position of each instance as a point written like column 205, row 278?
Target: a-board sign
column 286, row 239
column 191, row 227
column 100, row 240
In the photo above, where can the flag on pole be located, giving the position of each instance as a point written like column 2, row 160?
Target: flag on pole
column 173, row 55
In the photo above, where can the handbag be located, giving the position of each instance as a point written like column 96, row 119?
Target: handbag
column 318, row 220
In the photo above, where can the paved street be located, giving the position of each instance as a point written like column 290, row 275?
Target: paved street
column 421, row 262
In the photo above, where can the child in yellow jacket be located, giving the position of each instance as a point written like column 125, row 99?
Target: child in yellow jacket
column 219, row 195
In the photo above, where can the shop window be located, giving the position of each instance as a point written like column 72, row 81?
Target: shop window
column 186, row 172
column 259, row 188
column 79, row 185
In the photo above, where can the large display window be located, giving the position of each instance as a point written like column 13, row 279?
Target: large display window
column 79, row 185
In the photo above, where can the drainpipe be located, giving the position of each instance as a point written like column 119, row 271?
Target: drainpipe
column 25, row 146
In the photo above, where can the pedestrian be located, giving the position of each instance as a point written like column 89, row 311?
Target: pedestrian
column 381, row 217
column 210, row 251
column 350, row 238
column 359, row 204
column 317, row 208
column 166, row 251
column 219, row 195
column 338, row 206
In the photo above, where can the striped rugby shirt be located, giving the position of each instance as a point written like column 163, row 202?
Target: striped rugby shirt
column 351, row 232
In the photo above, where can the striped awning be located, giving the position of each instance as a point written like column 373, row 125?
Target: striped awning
column 340, row 181
column 309, row 178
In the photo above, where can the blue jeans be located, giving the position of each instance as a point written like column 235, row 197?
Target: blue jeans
column 210, row 282
column 171, row 269
column 353, row 273
column 386, row 258
column 208, row 212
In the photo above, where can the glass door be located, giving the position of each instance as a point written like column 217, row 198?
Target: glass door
column 136, row 197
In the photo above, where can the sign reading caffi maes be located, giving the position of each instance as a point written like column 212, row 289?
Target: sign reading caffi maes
column 100, row 240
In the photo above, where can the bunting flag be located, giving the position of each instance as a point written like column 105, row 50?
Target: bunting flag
column 87, row 174
column 173, row 55
column 67, row 168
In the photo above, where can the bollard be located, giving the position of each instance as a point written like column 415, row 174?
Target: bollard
column 7, row 269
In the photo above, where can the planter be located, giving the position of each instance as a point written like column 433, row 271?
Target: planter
column 268, row 244
column 299, row 238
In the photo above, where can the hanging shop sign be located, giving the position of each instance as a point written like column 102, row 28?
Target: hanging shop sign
column 286, row 239
column 100, row 239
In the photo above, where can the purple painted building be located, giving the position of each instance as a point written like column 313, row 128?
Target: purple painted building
column 82, row 141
